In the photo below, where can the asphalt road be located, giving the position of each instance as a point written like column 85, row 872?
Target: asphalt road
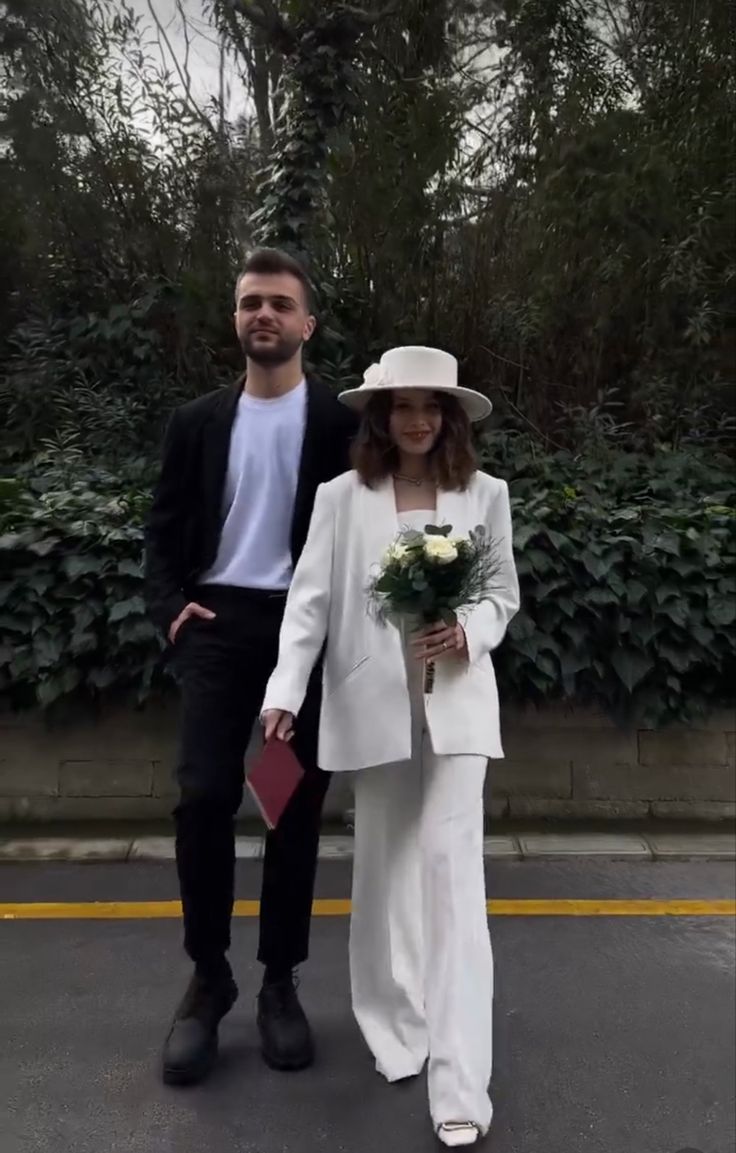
column 612, row 1034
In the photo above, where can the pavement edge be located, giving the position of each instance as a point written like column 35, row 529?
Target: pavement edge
column 649, row 846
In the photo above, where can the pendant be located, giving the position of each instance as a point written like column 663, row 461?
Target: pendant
column 429, row 671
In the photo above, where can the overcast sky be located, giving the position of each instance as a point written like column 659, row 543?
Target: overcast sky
column 204, row 53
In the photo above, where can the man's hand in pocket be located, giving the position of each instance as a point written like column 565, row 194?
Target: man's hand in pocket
column 190, row 610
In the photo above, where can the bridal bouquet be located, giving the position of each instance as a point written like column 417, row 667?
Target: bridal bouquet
column 432, row 576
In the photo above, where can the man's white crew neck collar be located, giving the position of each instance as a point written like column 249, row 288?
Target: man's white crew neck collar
column 291, row 394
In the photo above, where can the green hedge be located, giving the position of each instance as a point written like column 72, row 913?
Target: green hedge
column 72, row 616
column 626, row 564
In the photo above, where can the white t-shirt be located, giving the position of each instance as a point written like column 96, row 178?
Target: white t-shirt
column 260, row 489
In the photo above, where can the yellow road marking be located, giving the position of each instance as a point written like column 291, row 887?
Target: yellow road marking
column 160, row 910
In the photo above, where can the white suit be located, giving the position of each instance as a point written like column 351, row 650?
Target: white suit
column 364, row 672
column 421, row 964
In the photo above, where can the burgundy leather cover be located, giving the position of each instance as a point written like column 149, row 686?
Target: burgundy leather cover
column 273, row 779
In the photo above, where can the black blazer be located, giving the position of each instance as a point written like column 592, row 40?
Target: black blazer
column 185, row 522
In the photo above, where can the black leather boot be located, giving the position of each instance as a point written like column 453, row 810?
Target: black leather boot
column 191, row 1046
column 286, row 1038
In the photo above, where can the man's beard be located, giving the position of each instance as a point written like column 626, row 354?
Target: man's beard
column 278, row 352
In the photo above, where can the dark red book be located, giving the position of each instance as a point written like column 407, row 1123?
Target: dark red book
column 273, row 779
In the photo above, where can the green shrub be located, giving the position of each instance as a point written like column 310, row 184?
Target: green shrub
column 72, row 616
column 626, row 564
column 104, row 381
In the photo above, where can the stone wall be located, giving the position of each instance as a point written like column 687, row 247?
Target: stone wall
column 561, row 764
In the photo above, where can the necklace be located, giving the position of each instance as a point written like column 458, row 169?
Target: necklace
column 411, row 479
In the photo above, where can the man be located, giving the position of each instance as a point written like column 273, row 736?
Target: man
column 229, row 519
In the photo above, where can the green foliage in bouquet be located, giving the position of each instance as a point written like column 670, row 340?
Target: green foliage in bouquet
column 432, row 575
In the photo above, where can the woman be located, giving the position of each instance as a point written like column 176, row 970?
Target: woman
column 420, row 953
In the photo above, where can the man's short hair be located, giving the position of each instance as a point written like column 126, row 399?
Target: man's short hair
column 272, row 262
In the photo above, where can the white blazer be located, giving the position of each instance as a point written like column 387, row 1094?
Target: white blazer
column 366, row 718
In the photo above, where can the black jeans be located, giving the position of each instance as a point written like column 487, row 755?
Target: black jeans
column 223, row 668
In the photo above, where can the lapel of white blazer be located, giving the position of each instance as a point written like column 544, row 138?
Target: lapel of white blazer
column 378, row 521
column 376, row 518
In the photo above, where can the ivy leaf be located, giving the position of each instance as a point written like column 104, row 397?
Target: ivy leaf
column 664, row 592
column 540, row 561
column 568, row 607
column 677, row 611
column 721, row 611
column 602, row 596
column 636, row 592
column 44, row 546
column 548, row 666
column 84, row 615
column 596, row 566
column 61, row 684
column 646, row 630
column 48, row 650
column 558, row 539
column 131, row 568
column 522, row 626
column 667, row 542
column 572, row 663
column 678, row 658
column 683, row 568
column 702, row 634
column 631, row 667
column 135, row 606
column 76, row 566
column 575, row 633
column 528, row 647
column 523, row 535
column 82, row 642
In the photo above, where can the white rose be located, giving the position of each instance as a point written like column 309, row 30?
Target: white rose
column 396, row 552
column 439, row 549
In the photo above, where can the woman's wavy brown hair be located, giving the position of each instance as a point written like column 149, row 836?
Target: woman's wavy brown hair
column 452, row 460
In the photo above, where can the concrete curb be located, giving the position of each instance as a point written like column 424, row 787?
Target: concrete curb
column 518, row 846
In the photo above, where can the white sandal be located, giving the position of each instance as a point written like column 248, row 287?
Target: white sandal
column 457, row 1133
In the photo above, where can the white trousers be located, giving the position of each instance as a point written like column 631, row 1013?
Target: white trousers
column 421, row 963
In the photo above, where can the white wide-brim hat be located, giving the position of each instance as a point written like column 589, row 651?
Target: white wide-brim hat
column 417, row 366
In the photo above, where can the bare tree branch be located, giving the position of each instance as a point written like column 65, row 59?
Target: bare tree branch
column 253, row 51
column 523, row 369
column 183, row 71
column 616, row 26
column 185, row 31
column 262, row 89
column 221, row 87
